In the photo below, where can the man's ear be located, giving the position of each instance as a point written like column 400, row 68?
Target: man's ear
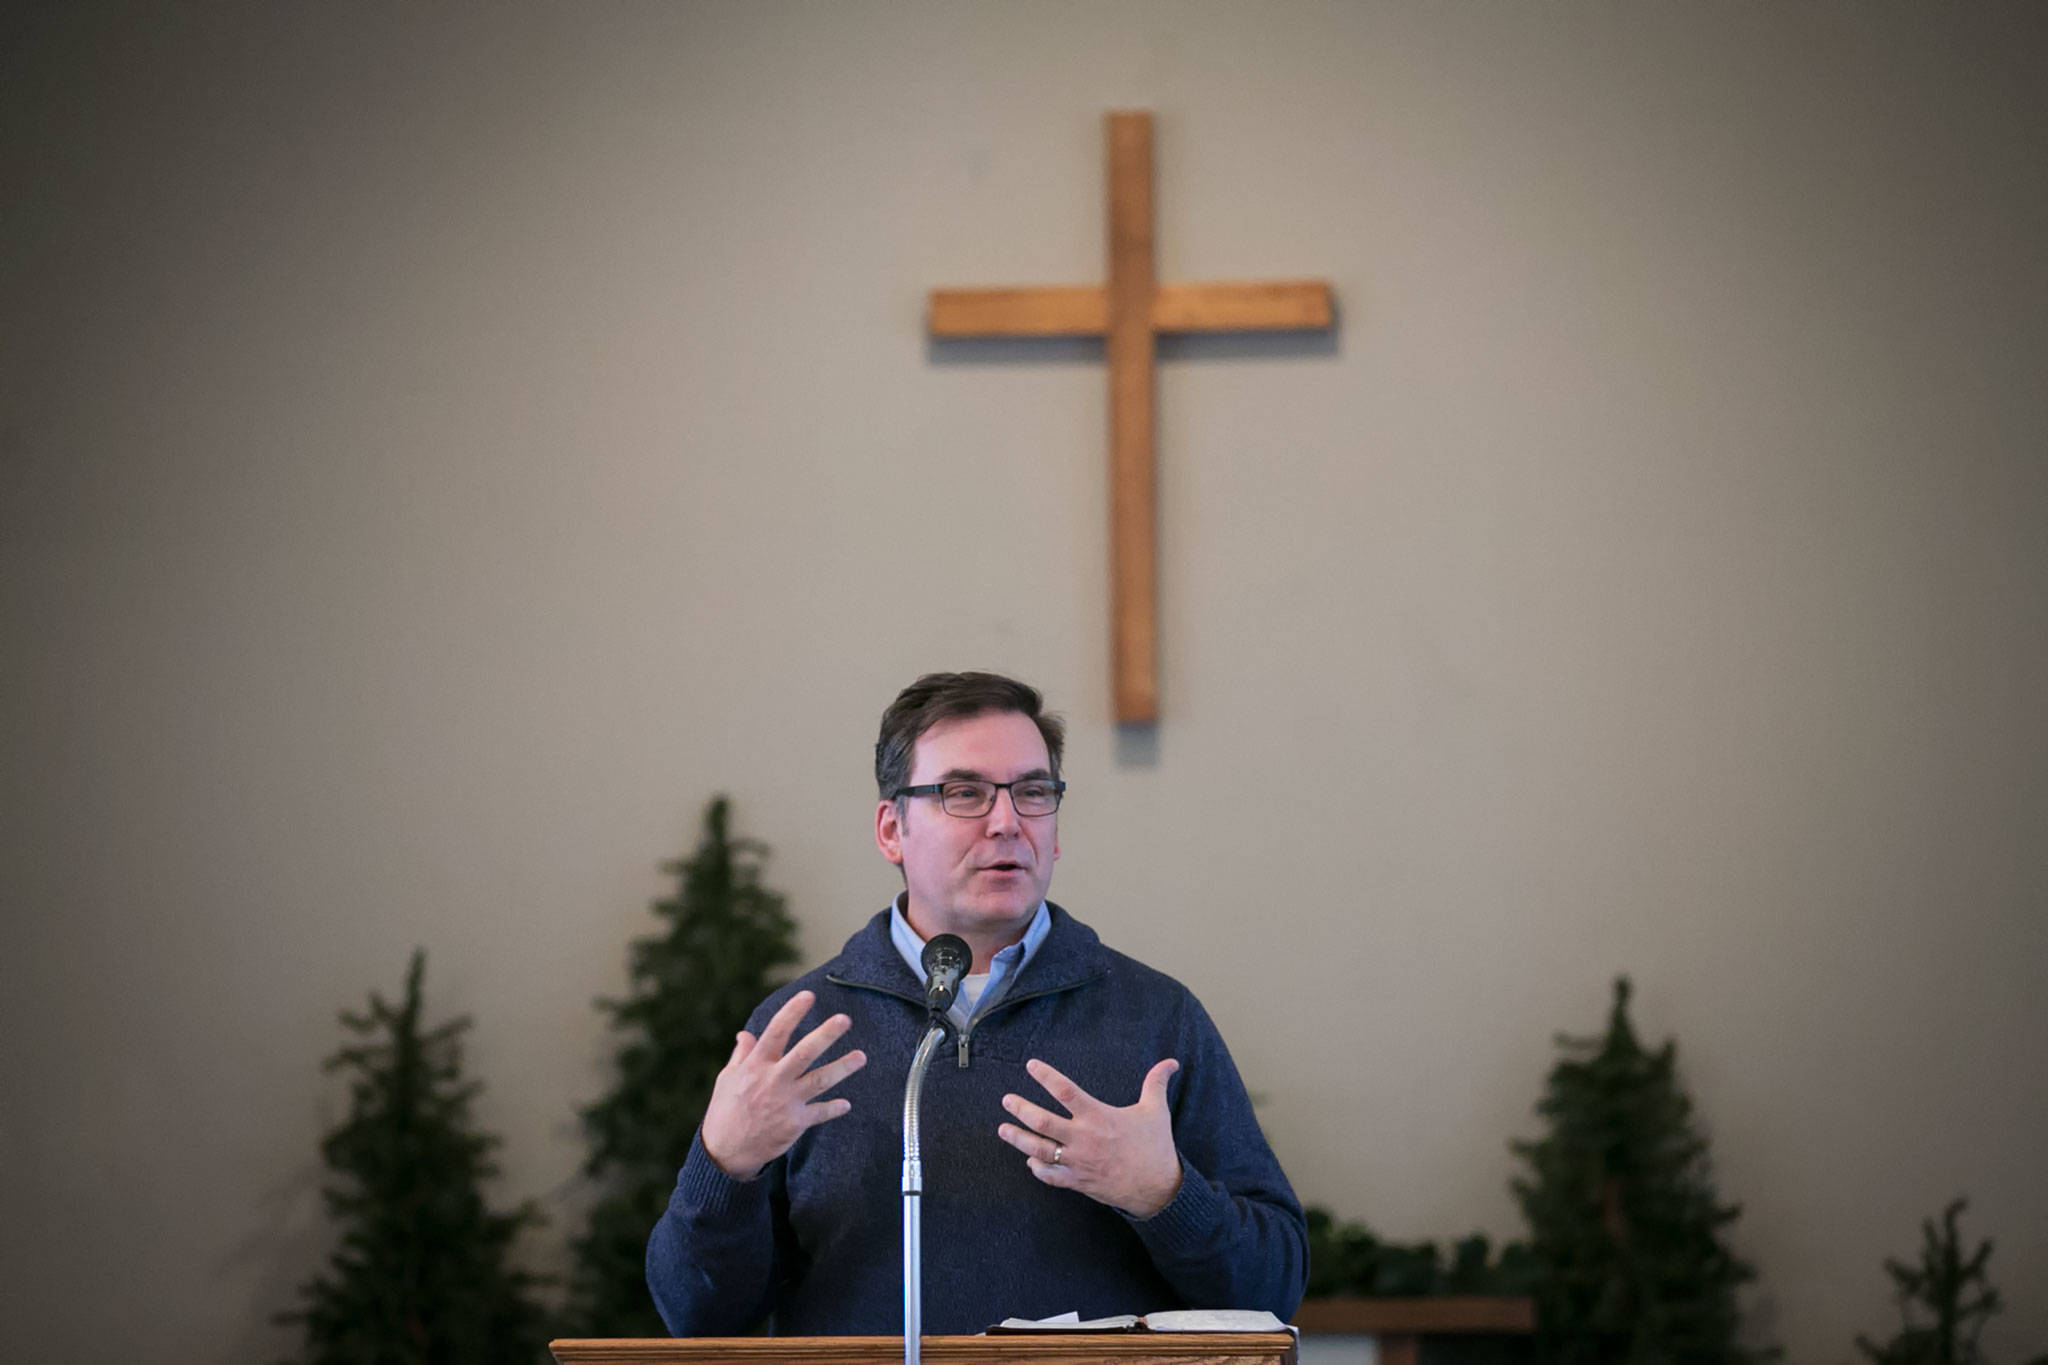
column 889, row 831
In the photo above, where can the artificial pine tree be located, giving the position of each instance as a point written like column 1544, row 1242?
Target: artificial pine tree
column 1954, row 1291
column 1628, row 1266
column 423, row 1273
column 726, row 941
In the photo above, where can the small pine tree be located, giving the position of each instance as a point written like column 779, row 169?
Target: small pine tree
column 423, row 1272
column 1627, row 1262
column 727, row 939
column 1955, row 1292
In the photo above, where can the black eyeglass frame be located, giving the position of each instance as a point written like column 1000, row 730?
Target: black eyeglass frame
column 938, row 789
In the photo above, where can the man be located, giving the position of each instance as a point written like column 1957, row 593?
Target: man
column 1087, row 1144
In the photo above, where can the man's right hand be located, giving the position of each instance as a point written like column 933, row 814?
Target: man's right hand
column 767, row 1095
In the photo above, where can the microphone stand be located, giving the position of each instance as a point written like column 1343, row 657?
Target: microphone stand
column 913, row 1195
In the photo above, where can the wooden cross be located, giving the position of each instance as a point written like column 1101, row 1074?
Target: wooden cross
column 1131, row 311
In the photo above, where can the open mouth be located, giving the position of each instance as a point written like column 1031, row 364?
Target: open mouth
column 1004, row 867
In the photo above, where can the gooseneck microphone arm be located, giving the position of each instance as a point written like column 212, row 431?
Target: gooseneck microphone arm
column 913, row 1199
column 946, row 960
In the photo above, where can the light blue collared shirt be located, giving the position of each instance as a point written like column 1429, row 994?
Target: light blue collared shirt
column 1002, row 968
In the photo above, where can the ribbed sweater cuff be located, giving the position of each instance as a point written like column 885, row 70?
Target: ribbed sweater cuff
column 1189, row 1220
column 710, row 1193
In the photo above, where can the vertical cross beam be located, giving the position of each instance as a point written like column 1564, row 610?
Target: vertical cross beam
column 1133, row 472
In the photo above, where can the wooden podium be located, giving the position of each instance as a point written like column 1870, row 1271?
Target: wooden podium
column 1007, row 1348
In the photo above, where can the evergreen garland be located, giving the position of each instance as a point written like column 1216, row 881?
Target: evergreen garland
column 1624, row 1221
column 1953, row 1290
column 1349, row 1259
column 423, row 1272
column 693, row 985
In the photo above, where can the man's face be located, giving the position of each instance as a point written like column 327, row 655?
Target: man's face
column 980, row 878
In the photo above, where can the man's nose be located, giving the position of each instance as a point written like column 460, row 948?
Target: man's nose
column 1003, row 814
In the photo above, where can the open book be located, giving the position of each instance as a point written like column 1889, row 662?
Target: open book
column 1179, row 1320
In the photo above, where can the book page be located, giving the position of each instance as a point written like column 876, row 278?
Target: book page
column 1070, row 1322
column 1215, row 1320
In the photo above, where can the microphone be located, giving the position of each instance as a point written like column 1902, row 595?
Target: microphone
column 946, row 959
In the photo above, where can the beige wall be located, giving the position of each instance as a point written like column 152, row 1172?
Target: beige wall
column 444, row 444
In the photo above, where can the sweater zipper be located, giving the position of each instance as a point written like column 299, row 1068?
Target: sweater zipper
column 962, row 1033
column 959, row 1033
column 1008, row 1001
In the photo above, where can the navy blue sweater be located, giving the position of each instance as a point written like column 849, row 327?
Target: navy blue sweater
column 815, row 1243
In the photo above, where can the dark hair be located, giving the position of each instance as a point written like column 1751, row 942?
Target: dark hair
column 954, row 696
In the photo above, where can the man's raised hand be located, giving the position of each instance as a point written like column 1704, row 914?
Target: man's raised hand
column 767, row 1094
column 1121, row 1157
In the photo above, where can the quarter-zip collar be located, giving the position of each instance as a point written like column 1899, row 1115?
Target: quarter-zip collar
column 1072, row 955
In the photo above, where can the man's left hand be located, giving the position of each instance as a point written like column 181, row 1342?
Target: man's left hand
column 1121, row 1157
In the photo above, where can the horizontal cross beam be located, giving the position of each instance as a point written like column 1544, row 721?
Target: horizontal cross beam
column 1083, row 310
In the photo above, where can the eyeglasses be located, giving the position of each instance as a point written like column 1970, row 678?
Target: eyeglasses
column 1029, row 796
